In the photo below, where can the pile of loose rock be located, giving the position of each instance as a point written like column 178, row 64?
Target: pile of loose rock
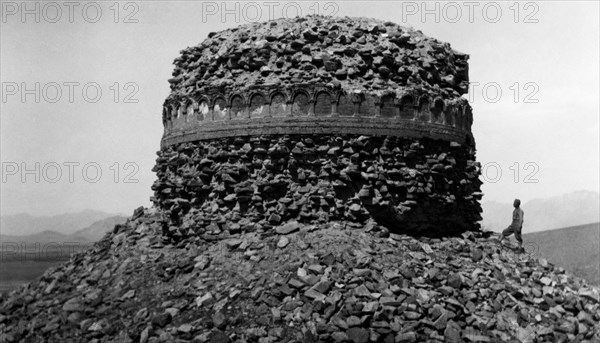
column 247, row 184
column 353, row 53
column 330, row 282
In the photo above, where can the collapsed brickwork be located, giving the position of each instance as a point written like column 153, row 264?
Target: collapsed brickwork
column 354, row 53
column 419, row 186
column 316, row 119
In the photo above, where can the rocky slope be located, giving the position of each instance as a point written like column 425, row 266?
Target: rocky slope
column 329, row 282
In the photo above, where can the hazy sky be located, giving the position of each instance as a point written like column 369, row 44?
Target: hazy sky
column 542, row 56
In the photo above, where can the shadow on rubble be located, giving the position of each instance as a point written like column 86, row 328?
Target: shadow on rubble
column 407, row 224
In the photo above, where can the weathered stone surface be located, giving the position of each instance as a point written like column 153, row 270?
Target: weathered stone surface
column 358, row 335
column 394, row 81
column 288, row 228
column 387, row 50
column 344, row 284
column 385, row 178
column 283, row 242
column 162, row 319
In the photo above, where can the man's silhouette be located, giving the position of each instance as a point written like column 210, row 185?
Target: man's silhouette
column 516, row 225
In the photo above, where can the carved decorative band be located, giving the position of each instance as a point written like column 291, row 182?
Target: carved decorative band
column 270, row 109
column 316, row 125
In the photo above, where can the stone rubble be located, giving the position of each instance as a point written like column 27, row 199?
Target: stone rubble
column 356, row 54
column 331, row 282
column 245, row 184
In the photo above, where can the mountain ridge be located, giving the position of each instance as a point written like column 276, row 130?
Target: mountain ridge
column 91, row 233
column 26, row 224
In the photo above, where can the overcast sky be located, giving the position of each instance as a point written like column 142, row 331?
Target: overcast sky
column 542, row 56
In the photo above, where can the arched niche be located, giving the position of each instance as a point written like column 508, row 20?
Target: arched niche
column 407, row 107
column 449, row 115
column 367, row 107
column 458, row 121
column 436, row 111
column 278, row 105
column 345, row 106
column 219, row 109
column 172, row 115
column 388, row 108
column 257, row 106
column 203, row 110
column 424, row 111
column 237, row 107
column 301, row 104
column 323, row 106
column 189, row 111
column 165, row 117
column 177, row 115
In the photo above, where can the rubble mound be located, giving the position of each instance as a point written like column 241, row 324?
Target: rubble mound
column 330, row 282
column 354, row 53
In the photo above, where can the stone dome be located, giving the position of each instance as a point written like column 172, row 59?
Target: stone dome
column 361, row 54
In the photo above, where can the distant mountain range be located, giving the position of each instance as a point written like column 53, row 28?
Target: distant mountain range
column 577, row 249
column 65, row 224
column 576, row 208
column 91, row 233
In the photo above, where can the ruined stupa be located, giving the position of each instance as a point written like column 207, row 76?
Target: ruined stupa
column 316, row 183
column 319, row 119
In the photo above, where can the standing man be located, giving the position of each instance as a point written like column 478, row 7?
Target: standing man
column 516, row 225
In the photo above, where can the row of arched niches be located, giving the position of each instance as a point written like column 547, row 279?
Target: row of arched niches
column 185, row 113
